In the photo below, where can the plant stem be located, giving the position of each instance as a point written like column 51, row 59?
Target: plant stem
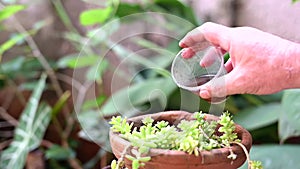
column 245, row 151
column 121, row 159
column 8, row 117
column 18, row 94
column 46, row 143
column 81, row 94
column 4, row 144
column 69, row 80
column 63, row 15
column 204, row 134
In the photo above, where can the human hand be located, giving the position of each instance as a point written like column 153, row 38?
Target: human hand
column 260, row 63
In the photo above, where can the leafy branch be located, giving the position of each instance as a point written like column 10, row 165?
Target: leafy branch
column 30, row 131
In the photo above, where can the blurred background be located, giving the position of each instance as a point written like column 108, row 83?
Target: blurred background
column 68, row 66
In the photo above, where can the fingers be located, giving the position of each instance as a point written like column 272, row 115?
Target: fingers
column 190, row 51
column 214, row 88
column 187, row 53
column 193, row 37
column 216, row 34
column 221, row 87
column 219, row 36
column 228, row 65
column 210, row 57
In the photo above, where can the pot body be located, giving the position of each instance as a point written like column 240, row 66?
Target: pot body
column 172, row 159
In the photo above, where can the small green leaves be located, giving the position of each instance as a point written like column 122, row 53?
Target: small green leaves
column 9, row 11
column 256, row 165
column 116, row 164
column 161, row 124
column 227, row 128
column 138, row 160
column 148, row 120
column 95, row 16
column 113, row 164
column 75, row 61
column 120, row 125
column 189, row 136
column 188, row 144
column 144, row 159
column 135, row 164
column 14, row 40
column 199, row 116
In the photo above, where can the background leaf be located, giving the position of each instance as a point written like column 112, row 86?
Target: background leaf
column 96, row 71
column 76, row 61
column 11, row 42
column 59, row 153
column 137, row 94
column 96, row 127
column 30, row 131
column 12, row 65
column 266, row 113
column 10, row 10
column 125, row 9
column 290, row 114
column 63, row 99
column 93, row 103
column 276, row 156
column 28, row 85
column 95, row 16
column 178, row 8
column 21, row 66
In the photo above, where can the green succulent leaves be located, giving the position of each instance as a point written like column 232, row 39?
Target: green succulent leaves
column 189, row 136
column 256, row 165
column 227, row 128
column 120, row 125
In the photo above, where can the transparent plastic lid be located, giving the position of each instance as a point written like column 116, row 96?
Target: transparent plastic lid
column 190, row 75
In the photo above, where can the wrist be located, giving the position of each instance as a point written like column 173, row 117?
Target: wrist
column 292, row 68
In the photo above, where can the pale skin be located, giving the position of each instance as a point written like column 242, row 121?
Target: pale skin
column 260, row 62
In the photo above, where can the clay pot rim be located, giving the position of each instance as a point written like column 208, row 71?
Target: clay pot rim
column 246, row 139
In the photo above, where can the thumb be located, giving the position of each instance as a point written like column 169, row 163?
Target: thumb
column 221, row 87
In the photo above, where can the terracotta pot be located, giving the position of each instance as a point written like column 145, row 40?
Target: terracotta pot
column 171, row 159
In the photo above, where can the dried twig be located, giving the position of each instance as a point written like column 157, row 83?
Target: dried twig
column 4, row 144
column 5, row 115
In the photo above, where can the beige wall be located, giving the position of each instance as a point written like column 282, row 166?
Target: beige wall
column 279, row 17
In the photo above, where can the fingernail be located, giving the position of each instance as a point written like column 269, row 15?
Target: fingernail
column 184, row 53
column 204, row 94
column 202, row 64
column 183, row 45
column 187, row 53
